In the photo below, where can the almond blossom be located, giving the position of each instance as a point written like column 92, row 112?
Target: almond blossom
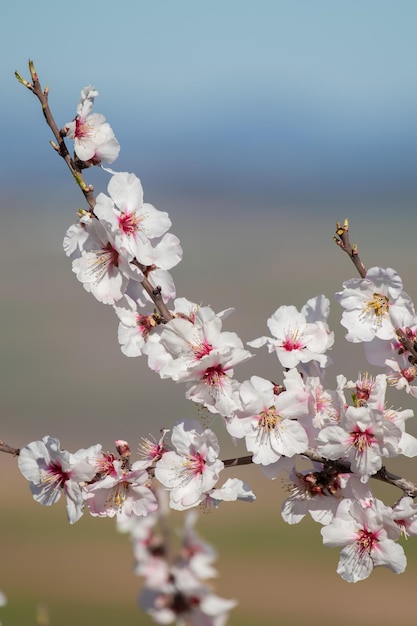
column 375, row 305
column 268, row 421
column 363, row 437
column 193, row 468
column 185, row 600
column 103, row 269
column 367, row 536
column 132, row 222
column 299, row 337
column 204, row 356
column 51, row 470
column 136, row 324
column 121, row 493
column 94, row 140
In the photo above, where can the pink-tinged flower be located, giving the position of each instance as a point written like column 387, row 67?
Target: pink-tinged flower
column 136, row 324
column 204, row 356
column 404, row 514
column 51, row 470
column 195, row 553
column 268, row 421
column 122, row 494
column 324, row 406
column 151, row 450
column 103, row 270
column 374, row 306
column 193, row 469
column 316, row 492
column 94, row 140
column 299, row 337
column 372, row 391
column 363, row 437
column 403, row 376
column 367, row 537
column 132, row 222
column 184, row 599
column 162, row 256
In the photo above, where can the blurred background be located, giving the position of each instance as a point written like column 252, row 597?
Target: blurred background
column 257, row 126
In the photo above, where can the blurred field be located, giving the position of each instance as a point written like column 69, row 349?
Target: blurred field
column 62, row 374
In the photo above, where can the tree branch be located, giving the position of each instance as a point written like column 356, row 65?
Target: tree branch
column 342, row 240
column 75, row 167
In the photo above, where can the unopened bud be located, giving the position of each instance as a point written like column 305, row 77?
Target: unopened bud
column 122, row 448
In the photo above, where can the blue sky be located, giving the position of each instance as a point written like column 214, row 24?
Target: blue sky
column 273, row 94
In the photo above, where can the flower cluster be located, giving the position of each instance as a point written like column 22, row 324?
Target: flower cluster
column 122, row 253
column 175, row 588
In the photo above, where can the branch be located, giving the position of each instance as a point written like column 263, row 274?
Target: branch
column 60, row 147
column 75, row 167
column 8, row 449
column 342, row 240
column 342, row 467
column 409, row 488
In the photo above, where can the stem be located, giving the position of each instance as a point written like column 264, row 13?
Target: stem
column 4, row 447
column 342, row 240
column 75, row 167
column 60, row 147
column 343, row 467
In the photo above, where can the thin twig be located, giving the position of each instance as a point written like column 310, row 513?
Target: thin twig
column 4, row 447
column 342, row 240
column 343, row 467
column 76, row 166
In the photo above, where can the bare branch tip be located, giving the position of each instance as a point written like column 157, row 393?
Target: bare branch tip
column 23, row 81
column 32, row 71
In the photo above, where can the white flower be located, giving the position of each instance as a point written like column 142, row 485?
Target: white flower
column 131, row 222
column 363, row 437
column 299, row 337
column 184, row 599
column 102, row 268
column 367, row 536
column 375, row 305
column 193, row 469
column 94, row 140
column 269, row 421
column 204, row 356
column 51, row 470
column 135, row 326
column 404, row 514
column 123, row 493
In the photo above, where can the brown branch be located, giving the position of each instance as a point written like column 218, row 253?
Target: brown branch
column 60, row 147
column 343, row 467
column 75, row 167
column 8, row 449
column 342, row 240
column 409, row 488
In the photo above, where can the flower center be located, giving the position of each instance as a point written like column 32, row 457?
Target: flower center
column 366, row 541
column 362, row 439
column 377, row 307
column 292, row 341
column 267, row 420
column 129, row 223
column 104, row 258
column 201, row 349
column 214, row 376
